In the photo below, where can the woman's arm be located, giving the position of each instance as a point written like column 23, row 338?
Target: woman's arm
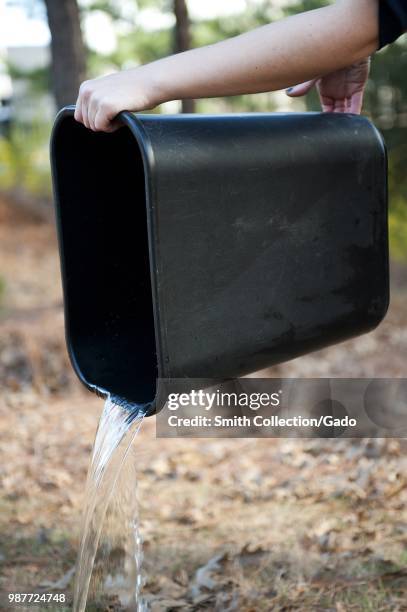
column 269, row 58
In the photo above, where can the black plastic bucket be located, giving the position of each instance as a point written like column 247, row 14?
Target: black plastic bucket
column 213, row 246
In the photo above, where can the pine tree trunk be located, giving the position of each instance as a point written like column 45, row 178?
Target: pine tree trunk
column 67, row 50
column 183, row 41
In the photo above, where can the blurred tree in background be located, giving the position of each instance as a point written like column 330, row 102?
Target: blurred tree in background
column 175, row 30
column 183, row 40
column 68, row 62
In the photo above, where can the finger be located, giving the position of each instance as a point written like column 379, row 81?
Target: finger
column 356, row 103
column 104, row 119
column 93, row 108
column 348, row 104
column 340, row 105
column 327, row 104
column 328, row 108
column 102, row 124
column 78, row 111
column 116, row 125
column 300, row 90
column 85, row 111
column 81, row 105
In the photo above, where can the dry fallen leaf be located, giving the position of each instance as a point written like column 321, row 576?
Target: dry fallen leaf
column 204, row 579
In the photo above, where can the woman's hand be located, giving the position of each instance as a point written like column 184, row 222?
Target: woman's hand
column 339, row 92
column 100, row 100
column 269, row 58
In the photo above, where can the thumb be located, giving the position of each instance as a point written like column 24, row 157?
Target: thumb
column 300, row 90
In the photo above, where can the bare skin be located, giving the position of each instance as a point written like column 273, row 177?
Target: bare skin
column 327, row 48
column 341, row 91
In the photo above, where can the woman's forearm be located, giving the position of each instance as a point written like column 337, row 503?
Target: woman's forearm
column 274, row 56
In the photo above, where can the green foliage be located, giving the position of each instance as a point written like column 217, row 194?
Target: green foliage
column 24, row 159
column 111, row 7
column 300, row 6
column 397, row 140
column 142, row 47
column 386, row 98
column 39, row 80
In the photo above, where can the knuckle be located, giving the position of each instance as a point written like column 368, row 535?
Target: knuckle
column 86, row 89
column 98, row 124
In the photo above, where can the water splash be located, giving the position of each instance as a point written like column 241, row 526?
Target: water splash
column 110, row 553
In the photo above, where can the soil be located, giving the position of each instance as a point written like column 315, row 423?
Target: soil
column 245, row 525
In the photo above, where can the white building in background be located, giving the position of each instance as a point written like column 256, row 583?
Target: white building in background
column 27, row 107
column 24, row 46
column 28, row 57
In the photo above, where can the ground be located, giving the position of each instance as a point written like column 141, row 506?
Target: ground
column 245, row 525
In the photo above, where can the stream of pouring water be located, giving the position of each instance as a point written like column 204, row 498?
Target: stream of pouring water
column 110, row 553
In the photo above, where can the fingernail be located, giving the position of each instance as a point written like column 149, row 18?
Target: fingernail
column 290, row 89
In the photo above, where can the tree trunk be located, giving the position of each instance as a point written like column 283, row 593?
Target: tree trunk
column 67, row 50
column 182, row 41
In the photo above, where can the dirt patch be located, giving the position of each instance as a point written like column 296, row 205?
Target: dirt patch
column 245, row 525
